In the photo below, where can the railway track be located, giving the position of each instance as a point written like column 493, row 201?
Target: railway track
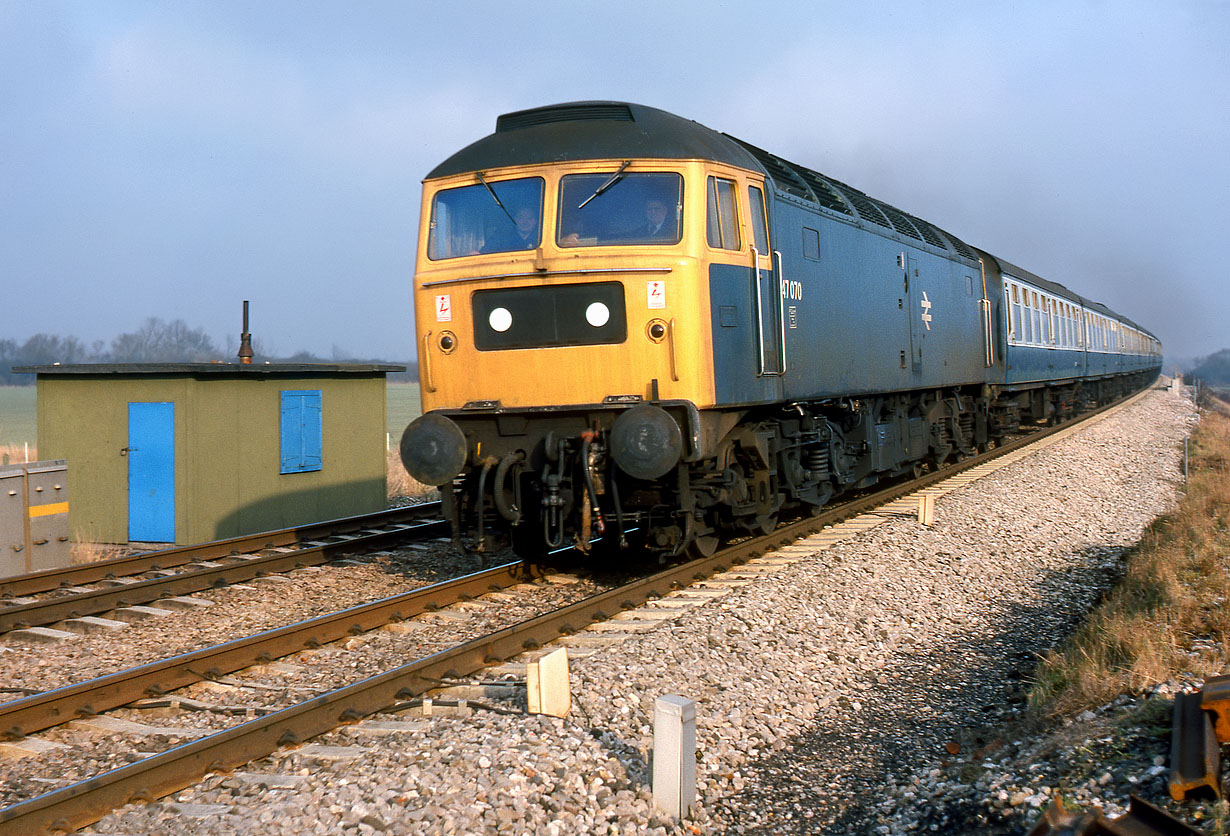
column 79, row 804
column 206, row 566
column 18, row 586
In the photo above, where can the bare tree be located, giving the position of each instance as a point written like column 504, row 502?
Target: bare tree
column 157, row 341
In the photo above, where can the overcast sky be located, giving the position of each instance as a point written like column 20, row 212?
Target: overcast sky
column 172, row 159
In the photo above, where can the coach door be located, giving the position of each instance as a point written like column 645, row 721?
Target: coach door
column 767, row 291
column 151, row 472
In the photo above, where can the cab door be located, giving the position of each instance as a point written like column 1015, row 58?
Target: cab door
column 766, row 291
column 744, row 293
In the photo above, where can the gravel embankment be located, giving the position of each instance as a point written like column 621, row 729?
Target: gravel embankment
column 863, row 690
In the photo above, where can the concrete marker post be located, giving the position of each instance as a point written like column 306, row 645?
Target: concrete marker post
column 674, row 755
column 547, row 684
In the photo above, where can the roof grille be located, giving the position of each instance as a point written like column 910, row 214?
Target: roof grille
column 899, row 221
column 960, row 246
column 584, row 112
column 929, row 233
column 825, row 194
column 862, row 204
column 784, row 176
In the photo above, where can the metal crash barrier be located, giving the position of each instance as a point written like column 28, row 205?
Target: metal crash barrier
column 33, row 517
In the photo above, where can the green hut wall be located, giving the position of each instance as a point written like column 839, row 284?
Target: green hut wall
column 227, row 438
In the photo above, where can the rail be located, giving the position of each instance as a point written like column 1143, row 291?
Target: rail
column 45, row 581
column 51, row 610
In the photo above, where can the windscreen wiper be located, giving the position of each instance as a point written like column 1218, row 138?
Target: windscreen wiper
column 614, row 178
column 495, row 197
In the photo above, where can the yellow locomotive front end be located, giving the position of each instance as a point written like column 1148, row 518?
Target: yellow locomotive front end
column 564, row 284
column 564, row 327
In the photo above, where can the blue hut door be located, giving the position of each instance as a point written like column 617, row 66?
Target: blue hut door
column 151, row 472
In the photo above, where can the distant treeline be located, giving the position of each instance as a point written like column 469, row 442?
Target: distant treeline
column 1214, row 370
column 156, row 341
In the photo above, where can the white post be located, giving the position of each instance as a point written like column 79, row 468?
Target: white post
column 547, row 684
column 926, row 509
column 674, row 755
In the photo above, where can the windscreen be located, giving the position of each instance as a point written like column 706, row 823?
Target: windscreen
column 616, row 208
column 488, row 217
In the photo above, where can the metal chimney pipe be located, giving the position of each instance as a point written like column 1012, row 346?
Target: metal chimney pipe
column 245, row 339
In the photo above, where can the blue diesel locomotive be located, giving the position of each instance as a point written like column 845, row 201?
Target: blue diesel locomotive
column 637, row 330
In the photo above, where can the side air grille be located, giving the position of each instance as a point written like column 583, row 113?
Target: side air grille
column 596, row 112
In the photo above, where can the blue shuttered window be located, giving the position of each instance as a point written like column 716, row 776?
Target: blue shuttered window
column 302, row 436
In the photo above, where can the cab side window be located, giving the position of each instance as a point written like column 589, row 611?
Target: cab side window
column 723, row 227
column 760, row 229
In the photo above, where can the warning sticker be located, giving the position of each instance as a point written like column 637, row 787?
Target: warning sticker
column 656, row 292
column 444, row 308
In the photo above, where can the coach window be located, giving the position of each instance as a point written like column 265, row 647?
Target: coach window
column 723, row 227
column 1045, row 318
column 1016, row 312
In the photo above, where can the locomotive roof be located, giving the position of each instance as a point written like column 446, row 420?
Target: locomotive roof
column 593, row 130
column 621, row 130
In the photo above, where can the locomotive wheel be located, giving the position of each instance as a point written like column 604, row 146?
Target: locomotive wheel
column 703, row 546
column 764, row 524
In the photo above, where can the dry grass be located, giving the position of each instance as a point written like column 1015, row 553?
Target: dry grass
column 1168, row 615
column 17, row 453
column 86, row 552
column 400, row 483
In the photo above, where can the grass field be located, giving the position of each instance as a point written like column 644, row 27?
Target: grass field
column 17, row 416
column 403, row 406
column 17, row 412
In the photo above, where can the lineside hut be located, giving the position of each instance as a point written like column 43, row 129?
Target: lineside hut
column 189, row 452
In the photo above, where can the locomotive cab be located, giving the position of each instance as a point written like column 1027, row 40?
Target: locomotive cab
column 559, row 308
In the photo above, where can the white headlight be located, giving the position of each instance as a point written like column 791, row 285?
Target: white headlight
column 597, row 314
column 500, row 320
